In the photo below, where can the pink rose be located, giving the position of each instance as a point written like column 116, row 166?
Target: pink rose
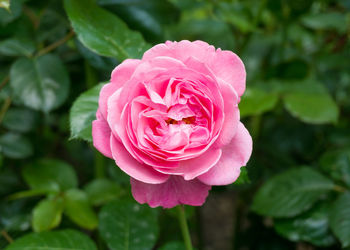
column 171, row 122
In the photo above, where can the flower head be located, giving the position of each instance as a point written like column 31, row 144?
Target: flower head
column 171, row 122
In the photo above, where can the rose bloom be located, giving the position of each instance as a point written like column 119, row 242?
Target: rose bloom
column 171, row 122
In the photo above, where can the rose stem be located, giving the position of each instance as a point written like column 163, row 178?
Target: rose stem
column 184, row 227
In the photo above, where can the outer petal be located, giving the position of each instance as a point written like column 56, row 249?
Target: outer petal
column 101, row 134
column 171, row 193
column 230, row 68
column 120, row 75
column 132, row 167
column 234, row 156
column 190, row 169
column 181, row 50
column 231, row 112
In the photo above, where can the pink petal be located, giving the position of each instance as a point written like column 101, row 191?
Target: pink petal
column 171, row 193
column 230, row 68
column 101, row 134
column 120, row 75
column 132, row 167
column 234, row 156
column 231, row 112
column 194, row 167
column 181, row 50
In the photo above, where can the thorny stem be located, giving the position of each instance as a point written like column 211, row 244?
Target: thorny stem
column 56, row 44
column 184, row 227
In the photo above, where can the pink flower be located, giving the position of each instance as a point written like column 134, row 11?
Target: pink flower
column 171, row 122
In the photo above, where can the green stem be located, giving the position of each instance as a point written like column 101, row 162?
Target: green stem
column 4, row 108
column 99, row 165
column 339, row 189
column 184, row 227
column 55, row 44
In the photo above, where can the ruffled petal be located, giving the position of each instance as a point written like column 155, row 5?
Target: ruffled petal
column 173, row 192
column 101, row 134
column 234, row 156
column 194, row 167
column 132, row 167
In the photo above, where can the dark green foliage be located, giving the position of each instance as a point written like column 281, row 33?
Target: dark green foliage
column 57, row 192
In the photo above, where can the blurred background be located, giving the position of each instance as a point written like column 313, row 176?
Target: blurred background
column 294, row 192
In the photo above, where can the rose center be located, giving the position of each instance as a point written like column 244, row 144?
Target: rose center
column 187, row 120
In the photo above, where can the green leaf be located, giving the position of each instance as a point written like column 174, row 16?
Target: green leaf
column 256, row 101
column 337, row 165
column 174, row 245
column 310, row 102
column 326, row 21
column 5, row 4
column 83, row 112
column 78, row 209
column 149, row 17
column 49, row 174
column 125, row 224
column 17, row 47
column 101, row 191
column 20, row 119
column 340, row 219
column 15, row 146
column 312, row 227
column 64, row 239
column 39, row 83
column 105, row 64
column 93, row 27
column 290, row 193
column 47, row 214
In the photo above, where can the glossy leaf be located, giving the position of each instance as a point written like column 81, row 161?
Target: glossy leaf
column 64, row 239
column 20, row 119
column 15, row 146
column 290, row 193
column 50, row 174
column 47, row 214
column 340, row 219
column 17, row 47
column 101, row 191
column 106, row 64
column 310, row 102
column 83, row 112
column 93, row 27
column 41, row 83
column 256, row 101
column 79, row 210
column 312, row 227
column 126, row 225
